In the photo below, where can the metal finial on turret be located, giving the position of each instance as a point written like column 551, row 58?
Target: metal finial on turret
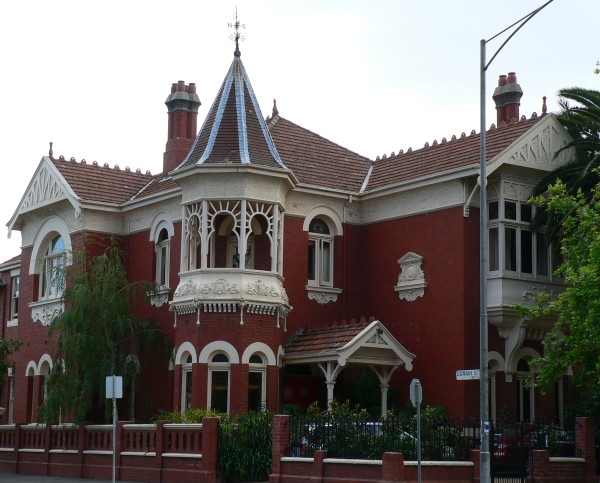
column 275, row 110
column 236, row 36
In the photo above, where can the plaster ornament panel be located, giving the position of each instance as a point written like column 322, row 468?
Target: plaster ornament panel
column 323, row 295
column 411, row 281
column 219, row 287
column 160, row 297
column 46, row 312
column 188, row 288
column 260, row 288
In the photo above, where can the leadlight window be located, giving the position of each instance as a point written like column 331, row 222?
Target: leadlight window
column 320, row 254
column 52, row 275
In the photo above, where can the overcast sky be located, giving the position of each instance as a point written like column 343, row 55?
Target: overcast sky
column 375, row 76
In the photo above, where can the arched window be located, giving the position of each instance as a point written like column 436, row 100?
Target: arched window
column 257, row 383
column 52, row 273
column 162, row 250
column 218, row 382
column 186, row 382
column 320, row 253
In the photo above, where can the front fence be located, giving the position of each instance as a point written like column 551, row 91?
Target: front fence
column 442, row 439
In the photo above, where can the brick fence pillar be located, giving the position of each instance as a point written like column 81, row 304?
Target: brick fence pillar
column 475, row 457
column 585, row 441
column 210, row 447
column 281, row 440
column 392, row 468
column 81, row 445
column 539, row 466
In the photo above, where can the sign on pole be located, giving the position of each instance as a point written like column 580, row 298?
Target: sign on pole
column 416, row 397
column 416, row 392
column 118, row 385
column 467, row 374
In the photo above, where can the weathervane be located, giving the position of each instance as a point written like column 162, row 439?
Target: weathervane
column 237, row 36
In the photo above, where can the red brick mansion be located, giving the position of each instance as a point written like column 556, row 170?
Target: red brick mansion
column 288, row 265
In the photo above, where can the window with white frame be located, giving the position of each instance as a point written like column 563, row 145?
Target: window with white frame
column 218, row 382
column 320, row 253
column 513, row 248
column 186, row 384
column 257, row 377
column 162, row 250
column 15, row 283
column 52, row 273
column 525, row 395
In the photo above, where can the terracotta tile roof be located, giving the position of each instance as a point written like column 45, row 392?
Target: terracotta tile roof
column 315, row 160
column 92, row 182
column 234, row 131
column 323, row 340
column 158, row 185
column 445, row 156
column 11, row 261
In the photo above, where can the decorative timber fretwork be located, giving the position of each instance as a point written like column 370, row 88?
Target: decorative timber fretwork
column 44, row 188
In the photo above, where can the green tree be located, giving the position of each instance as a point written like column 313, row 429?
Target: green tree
column 97, row 334
column 582, row 121
column 8, row 347
column 574, row 341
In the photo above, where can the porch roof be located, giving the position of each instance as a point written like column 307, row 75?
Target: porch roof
column 368, row 343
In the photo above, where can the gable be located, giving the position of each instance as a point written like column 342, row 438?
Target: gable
column 45, row 188
column 535, row 148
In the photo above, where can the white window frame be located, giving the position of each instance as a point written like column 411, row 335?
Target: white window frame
column 522, row 377
column 319, row 242
column 51, row 282
column 259, row 368
column 186, row 370
column 162, row 249
column 232, row 251
column 15, row 287
column 218, row 367
column 502, row 224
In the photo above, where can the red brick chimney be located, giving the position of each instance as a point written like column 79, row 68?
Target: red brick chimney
column 507, row 97
column 183, row 104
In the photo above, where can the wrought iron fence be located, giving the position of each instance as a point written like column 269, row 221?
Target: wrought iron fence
column 441, row 439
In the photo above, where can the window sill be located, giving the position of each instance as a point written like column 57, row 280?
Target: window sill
column 323, row 295
column 12, row 323
column 160, row 297
column 45, row 311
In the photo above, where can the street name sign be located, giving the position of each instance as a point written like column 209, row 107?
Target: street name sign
column 467, row 374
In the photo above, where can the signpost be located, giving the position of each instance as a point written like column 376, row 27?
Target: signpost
column 114, row 391
column 416, row 396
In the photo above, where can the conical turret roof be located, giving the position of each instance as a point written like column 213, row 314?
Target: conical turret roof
column 234, row 131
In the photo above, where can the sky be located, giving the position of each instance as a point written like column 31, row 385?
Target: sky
column 374, row 76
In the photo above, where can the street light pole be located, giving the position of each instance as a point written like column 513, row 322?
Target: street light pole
column 484, row 428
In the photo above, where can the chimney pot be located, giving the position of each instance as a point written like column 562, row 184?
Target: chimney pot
column 502, row 80
column 181, row 86
column 192, row 88
column 512, row 78
column 173, row 88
